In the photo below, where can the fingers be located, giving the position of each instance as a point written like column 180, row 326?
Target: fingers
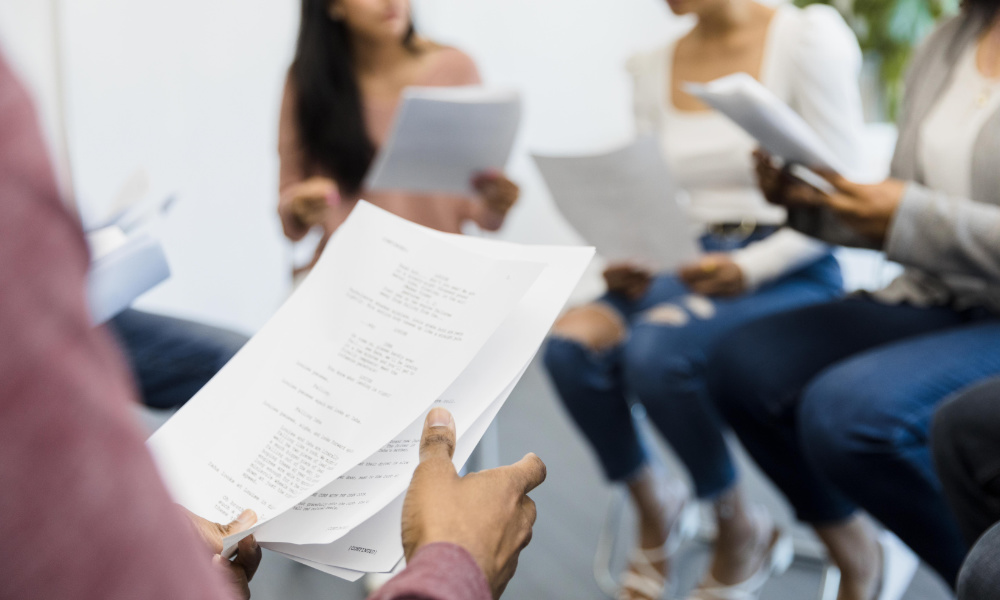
column 838, row 181
column 248, row 555
column 243, row 522
column 706, row 268
column 438, row 439
column 528, row 473
column 236, row 576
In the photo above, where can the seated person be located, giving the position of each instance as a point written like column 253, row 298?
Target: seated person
column 352, row 62
column 965, row 437
column 171, row 359
column 648, row 338
column 84, row 513
column 834, row 401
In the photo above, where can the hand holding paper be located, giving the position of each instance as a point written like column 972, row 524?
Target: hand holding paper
column 444, row 136
column 779, row 129
column 624, row 202
column 488, row 513
column 323, row 408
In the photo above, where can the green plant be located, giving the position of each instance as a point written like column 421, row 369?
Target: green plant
column 887, row 31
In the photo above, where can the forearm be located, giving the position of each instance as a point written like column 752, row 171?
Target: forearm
column 780, row 254
column 945, row 235
column 822, row 224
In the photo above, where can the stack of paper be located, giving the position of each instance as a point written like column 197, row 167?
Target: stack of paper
column 315, row 424
column 125, row 262
column 443, row 137
column 624, row 202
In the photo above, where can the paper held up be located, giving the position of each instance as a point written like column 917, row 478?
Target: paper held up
column 624, row 202
column 779, row 129
column 311, row 424
column 442, row 137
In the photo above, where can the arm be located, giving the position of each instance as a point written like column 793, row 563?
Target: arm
column 945, row 235
column 84, row 514
column 438, row 571
column 462, row 535
column 303, row 201
column 784, row 252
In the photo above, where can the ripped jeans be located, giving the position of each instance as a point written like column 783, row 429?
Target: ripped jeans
column 661, row 364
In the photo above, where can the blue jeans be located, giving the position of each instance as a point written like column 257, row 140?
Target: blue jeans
column 835, row 402
column 172, row 359
column 662, row 365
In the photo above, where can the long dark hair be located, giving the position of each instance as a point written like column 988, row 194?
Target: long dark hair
column 330, row 116
column 985, row 10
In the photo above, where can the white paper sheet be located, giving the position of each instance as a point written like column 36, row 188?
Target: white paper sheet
column 386, row 321
column 355, row 497
column 443, row 136
column 779, row 129
column 123, row 268
column 624, row 202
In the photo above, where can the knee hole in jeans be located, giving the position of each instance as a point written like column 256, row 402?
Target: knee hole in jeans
column 594, row 326
column 667, row 314
column 700, row 306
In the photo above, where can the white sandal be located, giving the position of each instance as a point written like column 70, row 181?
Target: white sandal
column 780, row 554
column 899, row 564
column 642, row 577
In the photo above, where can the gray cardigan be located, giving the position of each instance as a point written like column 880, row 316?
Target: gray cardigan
column 950, row 246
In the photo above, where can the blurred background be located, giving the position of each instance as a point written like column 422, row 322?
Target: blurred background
column 181, row 98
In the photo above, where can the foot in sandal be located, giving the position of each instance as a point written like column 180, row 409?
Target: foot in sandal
column 749, row 550
column 667, row 518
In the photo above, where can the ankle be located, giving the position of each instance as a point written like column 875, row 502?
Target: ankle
column 737, row 527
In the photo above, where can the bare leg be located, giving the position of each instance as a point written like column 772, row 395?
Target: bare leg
column 744, row 537
column 854, row 548
column 658, row 501
column 595, row 326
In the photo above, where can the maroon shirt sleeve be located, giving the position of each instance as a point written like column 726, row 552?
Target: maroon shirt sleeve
column 438, row 572
column 83, row 513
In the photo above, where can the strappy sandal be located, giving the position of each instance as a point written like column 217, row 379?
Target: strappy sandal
column 899, row 564
column 780, row 554
column 643, row 577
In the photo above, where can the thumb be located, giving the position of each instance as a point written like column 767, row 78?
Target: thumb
column 243, row 522
column 438, row 439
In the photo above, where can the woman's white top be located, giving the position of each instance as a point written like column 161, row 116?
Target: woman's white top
column 948, row 134
column 812, row 62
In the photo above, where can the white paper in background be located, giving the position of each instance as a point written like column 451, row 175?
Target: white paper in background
column 624, row 202
column 382, row 326
column 375, row 546
column 443, row 136
column 355, row 497
column 122, row 269
column 779, row 129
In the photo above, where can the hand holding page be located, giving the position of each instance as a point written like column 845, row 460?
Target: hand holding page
column 312, row 423
column 443, row 136
column 343, row 504
column 387, row 320
column 624, row 202
column 779, row 129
